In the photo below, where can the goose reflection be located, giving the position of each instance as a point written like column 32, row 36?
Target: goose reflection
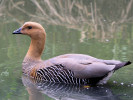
column 37, row 89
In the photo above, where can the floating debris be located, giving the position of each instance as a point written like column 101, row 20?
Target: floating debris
column 114, row 82
column 131, row 85
column 122, row 83
column 125, row 94
column 107, row 40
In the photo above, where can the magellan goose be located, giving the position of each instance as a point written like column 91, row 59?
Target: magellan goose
column 67, row 68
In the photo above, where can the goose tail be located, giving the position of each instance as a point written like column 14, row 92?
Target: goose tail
column 122, row 65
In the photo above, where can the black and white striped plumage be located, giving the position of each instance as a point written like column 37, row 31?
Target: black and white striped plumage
column 58, row 74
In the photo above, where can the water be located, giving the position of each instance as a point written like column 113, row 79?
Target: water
column 101, row 28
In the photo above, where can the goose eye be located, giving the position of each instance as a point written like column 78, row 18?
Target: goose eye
column 29, row 27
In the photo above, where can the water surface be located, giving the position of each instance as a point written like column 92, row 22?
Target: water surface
column 100, row 28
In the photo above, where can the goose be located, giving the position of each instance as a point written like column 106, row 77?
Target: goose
column 67, row 68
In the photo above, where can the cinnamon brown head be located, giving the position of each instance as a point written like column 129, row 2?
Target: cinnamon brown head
column 32, row 29
column 37, row 34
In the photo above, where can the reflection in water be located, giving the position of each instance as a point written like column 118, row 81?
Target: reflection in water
column 65, row 92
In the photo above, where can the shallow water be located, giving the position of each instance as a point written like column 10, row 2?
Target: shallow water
column 103, row 29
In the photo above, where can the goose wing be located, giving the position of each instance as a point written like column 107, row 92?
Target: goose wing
column 84, row 66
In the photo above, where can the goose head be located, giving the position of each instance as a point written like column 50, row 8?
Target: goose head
column 37, row 34
column 32, row 29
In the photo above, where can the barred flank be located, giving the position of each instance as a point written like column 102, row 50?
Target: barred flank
column 58, row 74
